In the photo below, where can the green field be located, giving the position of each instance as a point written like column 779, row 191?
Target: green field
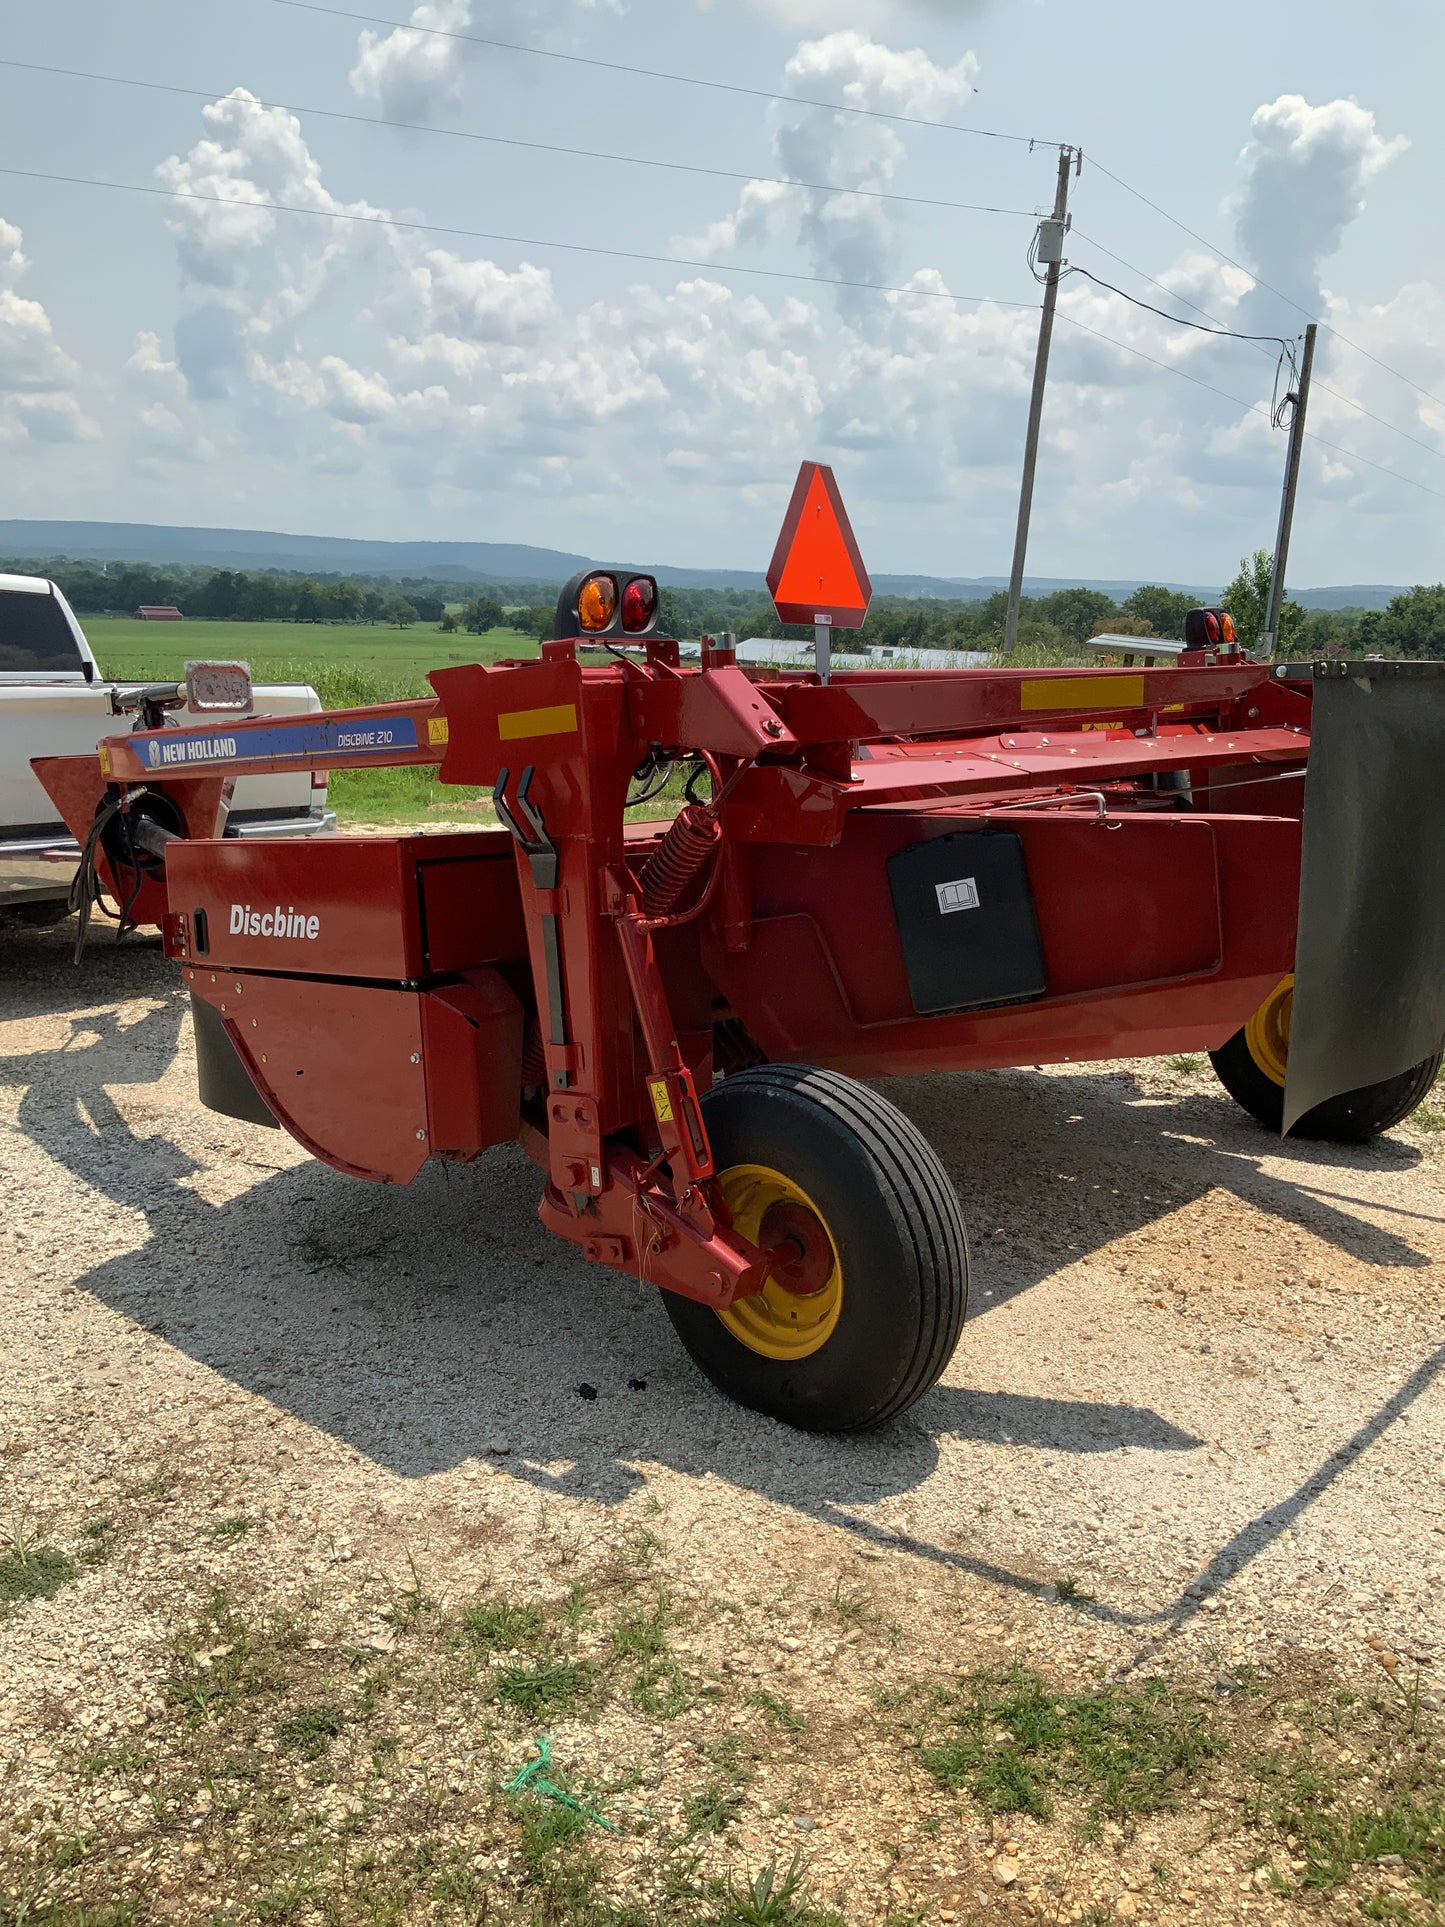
column 128, row 649
column 346, row 665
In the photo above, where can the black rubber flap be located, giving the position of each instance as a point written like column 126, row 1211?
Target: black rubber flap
column 966, row 918
column 222, row 1080
column 1369, row 994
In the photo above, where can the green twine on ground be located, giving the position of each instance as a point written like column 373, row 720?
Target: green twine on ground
column 533, row 1777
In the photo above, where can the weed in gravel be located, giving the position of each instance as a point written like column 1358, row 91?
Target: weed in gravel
column 711, row 1808
column 1357, row 1783
column 227, row 1531
column 226, row 1660
column 551, row 1689
column 120, row 1759
column 71, row 1851
column 315, row 1253
column 1012, row 1742
column 854, row 1610
column 660, row 1691
column 31, row 1570
column 1071, row 1593
column 310, row 1730
column 765, row 1901
column 494, row 1625
column 778, row 1710
column 1185, row 1065
column 99, row 1537
column 411, row 1602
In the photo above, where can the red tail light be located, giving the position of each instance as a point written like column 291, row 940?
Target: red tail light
column 639, row 602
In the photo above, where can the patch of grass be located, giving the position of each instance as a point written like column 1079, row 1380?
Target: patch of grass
column 551, row 1689
column 31, row 1570
column 1185, row 1064
column 711, row 1808
column 1012, row 1742
column 499, row 1625
column 1343, row 1817
column 660, row 1690
column 119, row 1759
column 1071, row 1593
column 778, row 1710
column 225, row 1660
column 310, row 1730
column 228, row 1531
column 71, row 1851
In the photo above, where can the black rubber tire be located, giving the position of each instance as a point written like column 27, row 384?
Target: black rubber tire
column 1352, row 1118
column 898, row 1229
column 36, row 916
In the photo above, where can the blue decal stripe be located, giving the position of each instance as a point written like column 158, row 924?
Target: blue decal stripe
column 188, row 749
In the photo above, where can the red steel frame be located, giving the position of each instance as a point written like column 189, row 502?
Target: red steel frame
column 1164, row 927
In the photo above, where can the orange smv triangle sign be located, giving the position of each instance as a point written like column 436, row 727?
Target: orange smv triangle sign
column 816, row 573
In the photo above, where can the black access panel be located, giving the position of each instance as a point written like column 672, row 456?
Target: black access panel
column 966, row 917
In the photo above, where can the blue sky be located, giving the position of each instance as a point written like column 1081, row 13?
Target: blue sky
column 164, row 359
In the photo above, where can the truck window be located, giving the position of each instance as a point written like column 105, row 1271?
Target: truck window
column 34, row 635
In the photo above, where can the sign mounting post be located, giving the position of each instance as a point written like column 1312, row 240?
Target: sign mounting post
column 817, row 574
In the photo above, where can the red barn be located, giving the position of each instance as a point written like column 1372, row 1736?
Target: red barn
column 158, row 612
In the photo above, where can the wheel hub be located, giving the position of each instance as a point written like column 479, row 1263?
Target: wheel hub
column 797, row 1311
column 1267, row 1032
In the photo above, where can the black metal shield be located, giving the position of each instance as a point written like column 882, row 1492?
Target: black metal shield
column 1369, row 994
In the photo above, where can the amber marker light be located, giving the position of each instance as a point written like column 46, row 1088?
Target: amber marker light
column 597, row 603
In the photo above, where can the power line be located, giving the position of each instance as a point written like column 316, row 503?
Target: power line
column 1076, row 233
column 677, row 261
column 1220, row 255
column 1324, row 387
column 505, row 140
column 512, row 240
column 655, row 73
column 1252, row 407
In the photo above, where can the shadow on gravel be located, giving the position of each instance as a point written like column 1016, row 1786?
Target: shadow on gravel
column 1098, row 1157
column 430, row 1325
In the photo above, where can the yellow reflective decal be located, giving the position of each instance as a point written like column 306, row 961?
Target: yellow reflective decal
column 560, row 720
column 104, row 754
column 437, row 730
column 661, row 1102
column 1083, row 692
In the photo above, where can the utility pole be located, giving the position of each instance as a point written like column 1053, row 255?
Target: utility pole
column 1051, row 253
column 1270, row 635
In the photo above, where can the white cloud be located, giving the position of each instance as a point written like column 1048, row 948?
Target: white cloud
column 38, row 380
column 410, row 75
column 847, row 237
column 404, row 383
column 419, row 72
column 1305, row 172
column 871, row 15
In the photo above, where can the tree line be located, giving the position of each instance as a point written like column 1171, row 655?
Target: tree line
column 1412, row 625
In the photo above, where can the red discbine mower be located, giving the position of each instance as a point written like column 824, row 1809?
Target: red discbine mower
column 889, row 871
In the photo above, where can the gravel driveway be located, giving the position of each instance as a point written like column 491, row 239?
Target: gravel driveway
column 1199, row 1396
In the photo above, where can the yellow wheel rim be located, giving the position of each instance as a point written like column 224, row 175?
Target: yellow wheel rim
column 797, row 1311
column 1267, row 1032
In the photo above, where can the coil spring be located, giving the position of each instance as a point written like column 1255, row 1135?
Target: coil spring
column 534, row 1057
column 690, row 841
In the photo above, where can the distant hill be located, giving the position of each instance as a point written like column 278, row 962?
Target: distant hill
column 512, row 562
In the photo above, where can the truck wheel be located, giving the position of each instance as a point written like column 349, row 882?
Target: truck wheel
column 867, row 1311
column 1251, row 1067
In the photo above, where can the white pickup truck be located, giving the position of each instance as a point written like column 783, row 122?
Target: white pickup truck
column 54, row 702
